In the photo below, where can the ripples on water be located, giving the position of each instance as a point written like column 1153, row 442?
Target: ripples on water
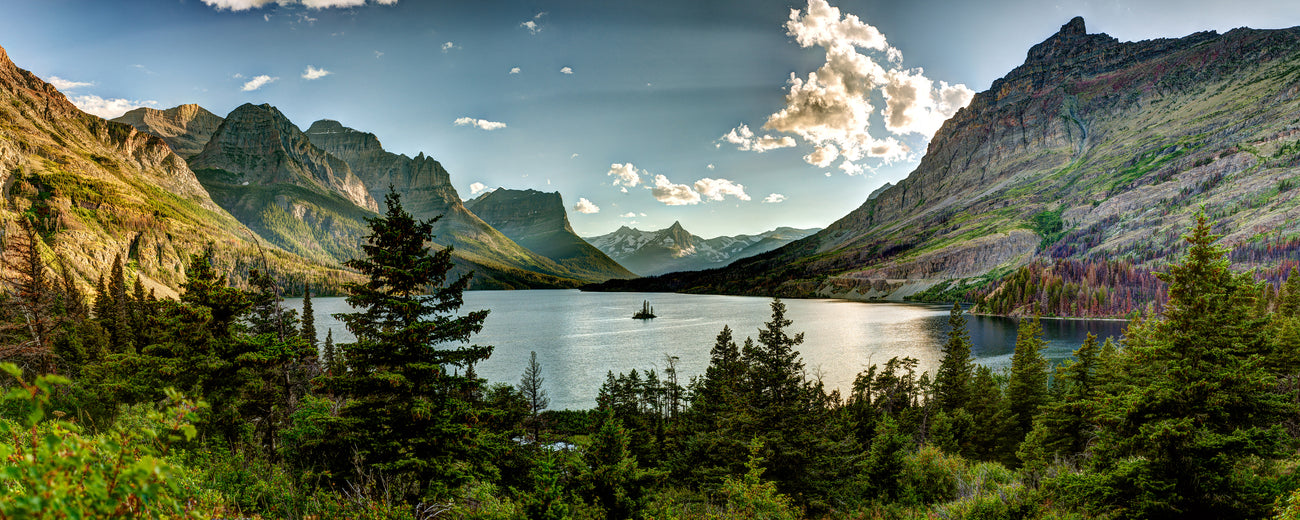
column 580, row 336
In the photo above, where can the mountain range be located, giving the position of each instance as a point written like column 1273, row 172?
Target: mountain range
column 1080, row 169
column 675, row 249
column 311, row 192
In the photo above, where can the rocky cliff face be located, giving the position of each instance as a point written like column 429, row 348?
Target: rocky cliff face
column 185, row 128
column 423, row 183
column 673, row 248
column 258, row 145
column 1102, row 150
column 97, row 189
column 538, row 221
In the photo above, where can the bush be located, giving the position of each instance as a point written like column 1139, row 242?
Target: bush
column 929, row 476
column 51, row 469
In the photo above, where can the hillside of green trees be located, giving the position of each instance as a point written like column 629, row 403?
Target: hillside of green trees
column 223, row 405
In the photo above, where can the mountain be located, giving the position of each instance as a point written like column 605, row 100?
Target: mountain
column 1087, row 161
column 426, row 190
column 675, row 249
column 538, row 221
column 185, row 128
column 96, row 189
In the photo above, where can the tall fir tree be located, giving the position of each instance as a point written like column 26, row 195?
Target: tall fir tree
column 530, row 385
column 405, row 411
column 1027, row 388
column 28, row 340
column 308, row 329
column 952, row 379
column 1197, row 404
column 119, row 320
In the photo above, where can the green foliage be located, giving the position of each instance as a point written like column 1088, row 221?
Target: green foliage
column 407, row 413
column 751, row 497
column 952, row 380
column 1048, row 224
column 50, row 468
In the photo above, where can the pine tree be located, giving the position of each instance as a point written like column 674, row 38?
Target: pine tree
column 1066, row 424
column 1197, row 403
column 1026, row 386
column 610, row 475
column 119, row 319
column 333, row 362
column 952, row 380
column 405, row 411
column 530, row 385
column 1289, row 295
column 308, row 330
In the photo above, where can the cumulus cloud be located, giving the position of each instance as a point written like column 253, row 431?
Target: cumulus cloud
column 773, row 198
column 477, row 187
column 718, row 189
column 258, row 82
column 673, row 194
column 566, row 70
column 744, row 139
column 107, row 108
column 67, row 84
column 514, row 70
column 624, row 174
column 315, row 73
column 830, row 108
column 481, row 124
column 586, row 207
column 532, row 25
column 446, row 46
column 710, row 166
column 630, row 214
column 244, row 5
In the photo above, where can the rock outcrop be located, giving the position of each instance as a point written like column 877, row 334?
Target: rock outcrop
column 185, row 128
column 258, row 145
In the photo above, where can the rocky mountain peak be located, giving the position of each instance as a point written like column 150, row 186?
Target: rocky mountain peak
column 1071, row 41
column 185, row 128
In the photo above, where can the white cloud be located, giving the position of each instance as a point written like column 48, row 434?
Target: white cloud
column 514, row 70
column 623, row 189
column 566, row 70
column 586, row 207
column 67, row 84
column 531, row 26
column 773, row 198
column 477, row 187
column 244, row 5
column 710, row 167
column 257, row 82
column 673, row 194
column 624, row 174
column 575, row 156
column 830, row 109
column 744, row 139
column 379, row 54
column 108, row 108
column 630, row 214
column 315, row 73
column 717, row 189
column 446, row 46
column 482, row 124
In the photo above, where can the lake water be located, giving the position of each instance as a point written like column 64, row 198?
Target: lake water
column 580, row 336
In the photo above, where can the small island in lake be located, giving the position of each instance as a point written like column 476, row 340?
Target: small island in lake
column 646, row 313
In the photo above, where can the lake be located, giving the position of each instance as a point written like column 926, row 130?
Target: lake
column 580, row 336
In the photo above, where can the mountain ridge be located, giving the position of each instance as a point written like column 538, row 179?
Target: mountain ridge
column 674, row 248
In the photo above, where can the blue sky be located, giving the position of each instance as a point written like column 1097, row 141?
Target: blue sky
column 638, row 126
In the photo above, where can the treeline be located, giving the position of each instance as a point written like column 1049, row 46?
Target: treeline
column 1074, row 287
column 221, row 404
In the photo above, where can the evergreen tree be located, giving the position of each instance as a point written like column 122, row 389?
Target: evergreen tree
column 119, row 318
column 1026, row 386
column 308, row 329
column 952, row 380
column 405, row 411
column 1289, row 295
column 333, row 361
column 1197, row 404
column 530, row 385
column 610, row 475
column 1066, row 423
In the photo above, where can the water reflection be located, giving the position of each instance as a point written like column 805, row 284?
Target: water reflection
column 579, row 336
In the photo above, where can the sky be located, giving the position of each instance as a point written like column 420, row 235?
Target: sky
column 730, row 116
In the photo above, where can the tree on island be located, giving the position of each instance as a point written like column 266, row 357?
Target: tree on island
column 647, row 312
column 405, row 411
